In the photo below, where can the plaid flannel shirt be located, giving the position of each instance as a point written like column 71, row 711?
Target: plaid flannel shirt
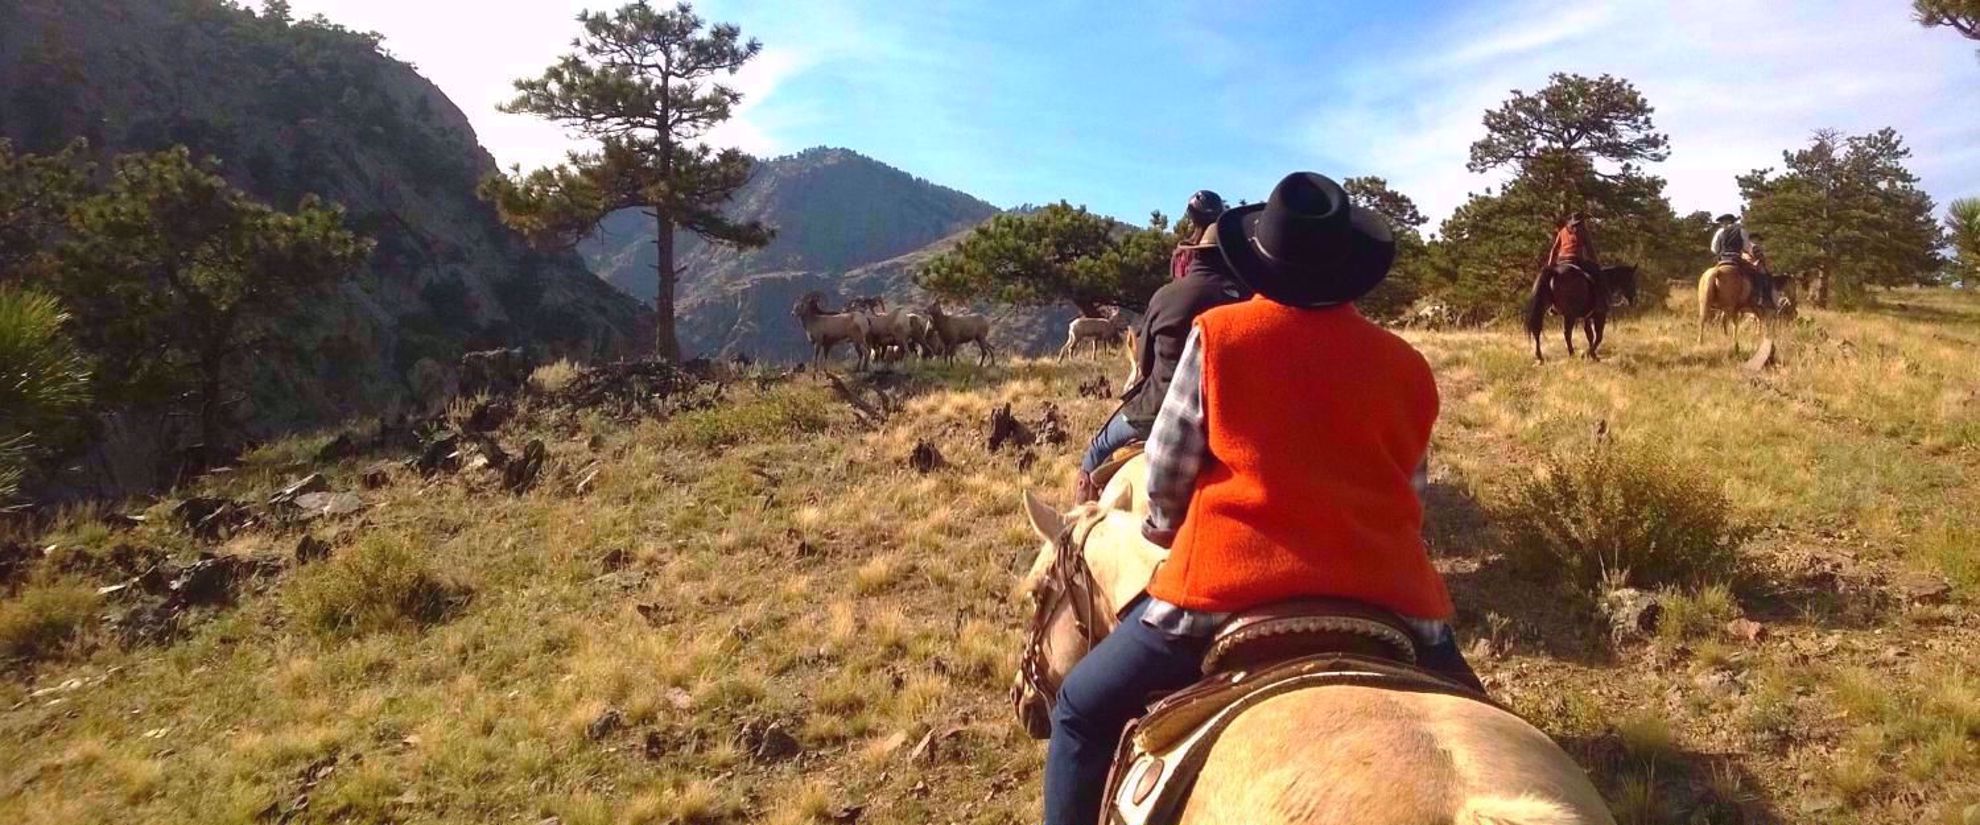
column 1177, row 447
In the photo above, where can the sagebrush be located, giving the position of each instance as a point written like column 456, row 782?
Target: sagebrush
column 1615, row 512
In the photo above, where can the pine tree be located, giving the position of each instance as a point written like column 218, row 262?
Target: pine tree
column 1847, row 211
column 176, row 279
column 36, row 193
column 1051, row 254
column 1962, row 16
column 44, row 385
column 1410, row 275
column 641, row 83
column 1575, row 145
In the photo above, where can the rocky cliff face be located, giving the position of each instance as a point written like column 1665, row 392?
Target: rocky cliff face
column 847, row 226
column 295, row 108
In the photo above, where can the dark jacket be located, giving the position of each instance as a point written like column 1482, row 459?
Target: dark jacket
column 1166, row 327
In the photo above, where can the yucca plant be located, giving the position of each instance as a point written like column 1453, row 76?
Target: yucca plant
column 44, row 382
column 1963, row 225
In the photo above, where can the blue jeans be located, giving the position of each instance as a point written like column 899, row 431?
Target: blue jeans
column 1113, row 435
column 1106, row 690
column 1113, row 685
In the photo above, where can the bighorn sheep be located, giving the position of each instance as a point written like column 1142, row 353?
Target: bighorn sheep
column 826, row 330
column 885, row 330
column 1094, row 332
column 953, row 331
column 920, row 333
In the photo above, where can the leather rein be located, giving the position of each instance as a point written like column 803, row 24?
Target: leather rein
column 1068, row 577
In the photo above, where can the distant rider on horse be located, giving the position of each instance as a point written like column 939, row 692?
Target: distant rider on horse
column 1732, row 246
column 1574, row 245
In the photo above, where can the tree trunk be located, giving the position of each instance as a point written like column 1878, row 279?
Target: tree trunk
column 666, row 344
column 1822, row 288
column 212, row 420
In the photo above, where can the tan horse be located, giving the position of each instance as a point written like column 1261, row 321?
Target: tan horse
column 1327, row 755
column 1124, row 485
column 1132, row 350
column 1725, row 293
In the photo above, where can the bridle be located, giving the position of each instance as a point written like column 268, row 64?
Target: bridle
column 1066, row 577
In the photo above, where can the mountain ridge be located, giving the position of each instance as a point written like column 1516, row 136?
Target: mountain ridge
column 847, row 225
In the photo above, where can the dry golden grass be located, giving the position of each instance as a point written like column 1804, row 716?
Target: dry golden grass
column 770, row 572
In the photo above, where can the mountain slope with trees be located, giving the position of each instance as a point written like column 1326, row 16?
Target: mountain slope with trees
column 290, row 109
column 833, row 211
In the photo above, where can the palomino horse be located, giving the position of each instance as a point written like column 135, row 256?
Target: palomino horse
column 1577, row 296
column 1724, row 292
column 1323, row 755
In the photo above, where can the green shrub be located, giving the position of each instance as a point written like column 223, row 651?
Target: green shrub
column 381, row 585
column 553, row 377
column 1701, row 614
column 1953, row 545
column 1612, row 512
column 42, row 620
column 775, row 416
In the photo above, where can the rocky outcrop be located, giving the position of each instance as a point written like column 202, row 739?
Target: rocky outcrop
column 291, row 108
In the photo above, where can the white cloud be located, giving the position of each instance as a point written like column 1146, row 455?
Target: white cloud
column 475, row 51
column 757, row 81
column 1733, row 84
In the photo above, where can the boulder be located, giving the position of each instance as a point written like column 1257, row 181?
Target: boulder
column 494, row 372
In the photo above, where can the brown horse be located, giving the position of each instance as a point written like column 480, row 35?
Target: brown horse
column 1577, row 296
column 1727, row 293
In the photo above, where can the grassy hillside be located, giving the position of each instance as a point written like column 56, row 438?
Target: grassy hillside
column 752, row 609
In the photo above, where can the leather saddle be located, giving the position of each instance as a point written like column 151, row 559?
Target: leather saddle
column 1258, row 655
column 1115, row 461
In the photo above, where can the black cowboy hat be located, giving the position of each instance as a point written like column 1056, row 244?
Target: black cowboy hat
column 1307, row 245
column 1725, row 219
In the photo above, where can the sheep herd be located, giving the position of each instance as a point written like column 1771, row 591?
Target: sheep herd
column 877, row 334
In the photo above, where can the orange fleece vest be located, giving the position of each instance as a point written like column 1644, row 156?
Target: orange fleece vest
column 1316, row 419
column 1572, row 246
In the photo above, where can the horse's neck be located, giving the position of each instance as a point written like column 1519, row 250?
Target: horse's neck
column 1122, row 562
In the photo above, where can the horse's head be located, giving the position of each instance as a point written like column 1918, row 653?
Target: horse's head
column 1067, row 613
column 1623, row 278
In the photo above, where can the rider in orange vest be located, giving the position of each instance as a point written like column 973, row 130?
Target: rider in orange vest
column 1574, row 245
column 1284, row 463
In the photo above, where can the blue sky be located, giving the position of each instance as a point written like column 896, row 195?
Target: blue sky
column 1129, row 107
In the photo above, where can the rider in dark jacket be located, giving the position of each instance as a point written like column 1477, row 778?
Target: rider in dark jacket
column 1207, row 283
column 1731, row 246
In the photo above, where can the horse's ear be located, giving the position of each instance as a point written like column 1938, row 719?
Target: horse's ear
column 1045, row 519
